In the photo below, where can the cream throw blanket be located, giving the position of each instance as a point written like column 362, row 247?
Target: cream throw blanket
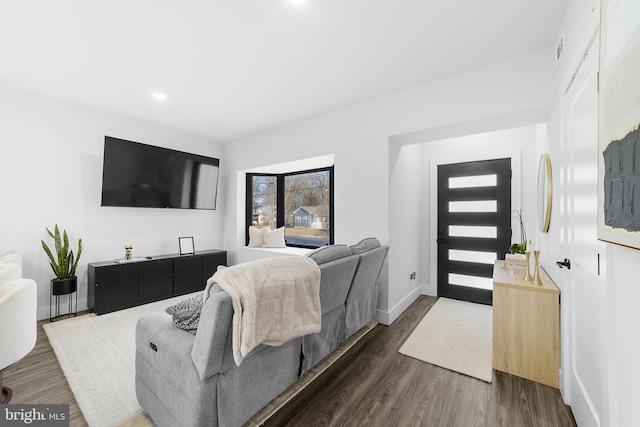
column 274, row 300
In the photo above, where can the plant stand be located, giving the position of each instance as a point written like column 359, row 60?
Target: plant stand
column 60, row 287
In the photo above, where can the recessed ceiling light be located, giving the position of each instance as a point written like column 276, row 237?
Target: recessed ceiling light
column 159, row 96
column 297, row 2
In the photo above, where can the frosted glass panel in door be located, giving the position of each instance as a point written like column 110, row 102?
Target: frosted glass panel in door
column 490, row 232
column 471, row 281
column 472, row 256
column 473, row 181
column 474, row 206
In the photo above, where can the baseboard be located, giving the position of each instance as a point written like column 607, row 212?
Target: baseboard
column 388, row 317
column 428, row 290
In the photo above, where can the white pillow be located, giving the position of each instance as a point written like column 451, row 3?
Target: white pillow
column 273, row 238
column 256, row 238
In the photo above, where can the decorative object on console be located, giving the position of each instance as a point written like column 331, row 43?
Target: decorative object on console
column 527, row 275
column 64, row 266
column 186, row 245
column 619, row 124
column 536, row 275
column 127, row 252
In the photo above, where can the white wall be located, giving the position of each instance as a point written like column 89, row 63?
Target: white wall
column 51, row 172
column 359, row 138
column 406, row 229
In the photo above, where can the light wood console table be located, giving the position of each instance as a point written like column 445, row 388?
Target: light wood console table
column 526, row 320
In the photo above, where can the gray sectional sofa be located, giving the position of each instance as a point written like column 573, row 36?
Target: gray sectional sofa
column 187, row 379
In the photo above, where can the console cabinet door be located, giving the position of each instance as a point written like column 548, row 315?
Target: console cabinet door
column 116, row 287
column 210, row 263
column 187, row 275
column 155, row 280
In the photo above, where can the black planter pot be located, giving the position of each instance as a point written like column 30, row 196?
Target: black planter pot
column 63, row 287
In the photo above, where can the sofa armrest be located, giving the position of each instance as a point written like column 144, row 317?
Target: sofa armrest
column 213, row 333
column 158, row 340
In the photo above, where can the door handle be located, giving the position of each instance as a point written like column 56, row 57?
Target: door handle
column 440, row 240
column 565, row 263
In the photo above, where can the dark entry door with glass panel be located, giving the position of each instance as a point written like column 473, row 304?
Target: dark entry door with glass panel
column 474, row 226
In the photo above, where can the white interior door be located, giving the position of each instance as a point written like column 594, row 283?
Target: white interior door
column 583, row 296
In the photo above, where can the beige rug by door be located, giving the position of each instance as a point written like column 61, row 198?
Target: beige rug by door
column 455, row 335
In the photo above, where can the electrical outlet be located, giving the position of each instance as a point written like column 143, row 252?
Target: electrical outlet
column 413, row 276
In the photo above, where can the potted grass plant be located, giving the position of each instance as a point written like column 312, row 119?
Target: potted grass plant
column 63, row 262
column 517, row 250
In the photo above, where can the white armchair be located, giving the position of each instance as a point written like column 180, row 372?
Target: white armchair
column 8, row 273
column 12, row 259
column 18, row 325
column 4, row 252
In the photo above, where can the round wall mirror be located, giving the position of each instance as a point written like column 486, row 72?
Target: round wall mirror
column 544, row 193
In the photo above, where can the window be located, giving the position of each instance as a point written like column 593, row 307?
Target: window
column 301, row 201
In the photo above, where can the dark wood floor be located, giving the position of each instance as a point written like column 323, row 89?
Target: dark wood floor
column 38, row 379
column 372, row 384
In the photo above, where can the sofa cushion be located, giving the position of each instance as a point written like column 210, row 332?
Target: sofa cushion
column 273, row 238
column 256, row 238
column 186, row 313
column 329, row 253
column 365, row 245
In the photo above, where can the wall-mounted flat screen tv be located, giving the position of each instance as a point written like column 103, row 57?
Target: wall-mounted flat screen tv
column 145, row 176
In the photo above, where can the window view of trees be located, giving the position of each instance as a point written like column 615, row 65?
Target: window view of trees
column 306, row 201
column 264, row 200
column 302, row 206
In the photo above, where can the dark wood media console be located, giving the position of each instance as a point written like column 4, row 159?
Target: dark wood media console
column 114, row 286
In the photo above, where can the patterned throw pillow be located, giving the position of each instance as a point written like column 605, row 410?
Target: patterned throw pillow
column 186, row 313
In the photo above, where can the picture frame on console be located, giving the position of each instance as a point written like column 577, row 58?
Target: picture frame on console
column 186, row 245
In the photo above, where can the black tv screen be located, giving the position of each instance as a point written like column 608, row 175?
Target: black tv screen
column 144, row 176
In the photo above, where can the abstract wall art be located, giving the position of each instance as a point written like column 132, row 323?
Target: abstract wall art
column 619, row 123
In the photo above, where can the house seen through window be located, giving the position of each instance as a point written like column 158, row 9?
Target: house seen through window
column 302, row 202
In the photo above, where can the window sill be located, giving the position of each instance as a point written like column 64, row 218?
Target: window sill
column 246, row 254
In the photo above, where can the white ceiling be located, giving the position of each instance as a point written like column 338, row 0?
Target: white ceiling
column 234, row 68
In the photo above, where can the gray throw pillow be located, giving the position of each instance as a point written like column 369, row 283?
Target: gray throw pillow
column 186, row 313
column 326, row 254
column 365, row 245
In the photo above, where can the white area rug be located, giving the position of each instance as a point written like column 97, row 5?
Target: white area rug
column 455, row 335
column 97, row 356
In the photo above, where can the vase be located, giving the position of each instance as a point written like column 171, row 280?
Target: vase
column 515, row 258
column 527, row 275
column 536, row 269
